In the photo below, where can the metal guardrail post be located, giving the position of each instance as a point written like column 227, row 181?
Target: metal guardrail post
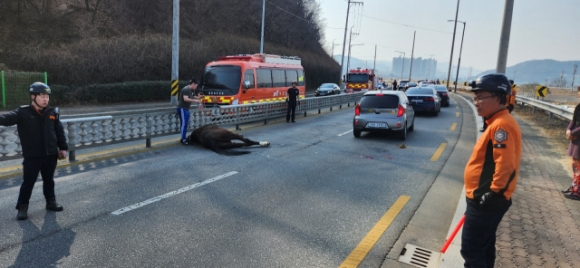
column 238, row 118
column 267, row 114
column 71, row 141
column 148, row 130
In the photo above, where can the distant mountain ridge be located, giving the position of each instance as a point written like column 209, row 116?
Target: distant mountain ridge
column 546, row 72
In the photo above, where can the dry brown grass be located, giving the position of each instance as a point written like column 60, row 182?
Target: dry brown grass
column 553, row 128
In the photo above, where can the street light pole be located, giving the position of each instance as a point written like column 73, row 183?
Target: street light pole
column 460, row 49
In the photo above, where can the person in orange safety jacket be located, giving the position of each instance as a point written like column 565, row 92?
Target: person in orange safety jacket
column 491, row 173
column 511, row 98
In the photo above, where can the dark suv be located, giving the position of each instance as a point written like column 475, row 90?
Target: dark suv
column 384, row 111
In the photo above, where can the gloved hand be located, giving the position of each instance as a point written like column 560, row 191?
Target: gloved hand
column 489, row 198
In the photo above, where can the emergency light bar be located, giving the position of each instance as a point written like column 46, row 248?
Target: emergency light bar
column 265, row 58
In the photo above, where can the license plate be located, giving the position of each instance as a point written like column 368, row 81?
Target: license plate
column 377, row 125
column 417, row 100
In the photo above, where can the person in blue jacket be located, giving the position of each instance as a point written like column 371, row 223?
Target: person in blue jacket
column 43, row 141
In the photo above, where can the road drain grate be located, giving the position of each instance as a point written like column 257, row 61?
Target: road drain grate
column 419, row 257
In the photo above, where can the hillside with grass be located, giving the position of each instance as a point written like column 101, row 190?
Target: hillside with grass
column 83, row 42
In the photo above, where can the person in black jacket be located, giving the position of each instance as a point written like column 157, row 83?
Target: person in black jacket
column 43, row 141
column 292, row 98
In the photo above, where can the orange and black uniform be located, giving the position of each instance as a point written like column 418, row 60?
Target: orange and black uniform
column 495, row 161
column 492, row 167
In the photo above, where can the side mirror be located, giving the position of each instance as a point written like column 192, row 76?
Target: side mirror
column 246, row 85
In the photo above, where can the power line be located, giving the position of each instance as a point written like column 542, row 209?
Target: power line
column 406, row 25
column 288, row 12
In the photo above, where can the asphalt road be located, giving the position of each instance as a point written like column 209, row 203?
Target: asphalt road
column 307, row 200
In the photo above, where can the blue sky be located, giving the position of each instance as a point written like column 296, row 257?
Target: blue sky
column 540, row 29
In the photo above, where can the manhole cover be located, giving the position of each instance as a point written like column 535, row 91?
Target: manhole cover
column 419, row 257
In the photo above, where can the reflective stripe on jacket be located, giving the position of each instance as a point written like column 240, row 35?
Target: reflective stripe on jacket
column 495, row 161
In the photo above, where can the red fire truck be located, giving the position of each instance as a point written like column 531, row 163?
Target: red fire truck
column 250, row 78
column 360, row 80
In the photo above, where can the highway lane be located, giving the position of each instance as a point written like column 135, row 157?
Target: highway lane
column 306, row 201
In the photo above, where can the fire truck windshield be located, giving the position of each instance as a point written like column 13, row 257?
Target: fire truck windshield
column 358, row 78
column 224, row 79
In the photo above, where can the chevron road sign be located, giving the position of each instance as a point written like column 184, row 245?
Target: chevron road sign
column 541, row 91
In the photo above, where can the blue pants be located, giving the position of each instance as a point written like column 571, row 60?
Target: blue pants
column 31, row 166
column 184, row 121
column 479, row 231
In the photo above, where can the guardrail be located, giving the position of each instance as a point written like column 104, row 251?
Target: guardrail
column 551, row 109
column 100, row 129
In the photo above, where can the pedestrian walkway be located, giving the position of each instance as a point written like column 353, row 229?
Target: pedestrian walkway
column 542, row 228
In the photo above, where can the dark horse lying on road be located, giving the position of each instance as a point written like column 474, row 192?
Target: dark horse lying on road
column 219, row 139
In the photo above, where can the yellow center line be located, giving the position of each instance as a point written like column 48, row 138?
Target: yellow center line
column 365, row 245
column 457, row 114
column 453, row 126
column 438, row 153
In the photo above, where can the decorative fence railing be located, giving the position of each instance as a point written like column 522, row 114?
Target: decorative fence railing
column 99, row 129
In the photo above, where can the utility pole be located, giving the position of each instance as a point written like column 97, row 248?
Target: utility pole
column 573, row 75
column 175, row 54
column 412, row 53
column 505, row 36
column 561, row 77
column 345, row 29
column 349, row 48
column 452, row 44
column 459, row 61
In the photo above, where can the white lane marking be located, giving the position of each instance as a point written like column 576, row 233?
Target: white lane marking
column 344, row 133
column 170, row 194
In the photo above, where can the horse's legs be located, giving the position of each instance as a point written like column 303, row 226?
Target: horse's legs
column 231, row 145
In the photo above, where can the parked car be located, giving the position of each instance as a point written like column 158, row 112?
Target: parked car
column 424, row 99
column 327, row 89
column 384, row 111
column 443, row 94
column 410, row 84
column 402, row 85
column 421, row 83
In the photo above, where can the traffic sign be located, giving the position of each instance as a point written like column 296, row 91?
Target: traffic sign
column 541, row 91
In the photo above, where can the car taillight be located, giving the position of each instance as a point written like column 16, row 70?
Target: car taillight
column 430, row 99
column 357, row 109
column 401, row 111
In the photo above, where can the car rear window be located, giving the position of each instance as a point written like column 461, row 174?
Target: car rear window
column 385, row 101
column 420, row 90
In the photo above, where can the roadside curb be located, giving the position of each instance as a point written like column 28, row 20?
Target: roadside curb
column 428, row 228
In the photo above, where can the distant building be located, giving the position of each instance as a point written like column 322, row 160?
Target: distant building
column 422, row 68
